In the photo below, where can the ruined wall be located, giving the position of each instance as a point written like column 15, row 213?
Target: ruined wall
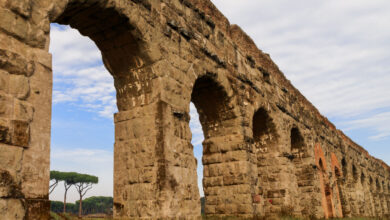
column 267, row 150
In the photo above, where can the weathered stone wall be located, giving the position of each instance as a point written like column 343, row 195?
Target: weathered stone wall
column 267, row 150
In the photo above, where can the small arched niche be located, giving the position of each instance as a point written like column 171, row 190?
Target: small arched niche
column 355, row 174
column 297, row 141
column 378, row 186
column 383, row 186
column 264, row 131
column 362, row 179
column 344, row 167
column 371, row 183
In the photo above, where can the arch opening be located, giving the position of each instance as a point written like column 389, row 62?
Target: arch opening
column 264, row 130
column 120, row 43
column 124, row 56
column 297, row 141
column 216, row 115
column 265, row 139
column 362, row 179
column 355, row 174
column 212, row 104
column 82, row 126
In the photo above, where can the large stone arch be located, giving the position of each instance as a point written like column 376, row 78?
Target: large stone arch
column 224, row 157
column 265, row 138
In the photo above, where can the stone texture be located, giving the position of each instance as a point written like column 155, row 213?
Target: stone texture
column 267, row 150
column 12, row 209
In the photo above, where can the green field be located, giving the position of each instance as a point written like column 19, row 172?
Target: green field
column 67, row 216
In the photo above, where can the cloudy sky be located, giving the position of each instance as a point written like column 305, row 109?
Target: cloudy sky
column 337, row 53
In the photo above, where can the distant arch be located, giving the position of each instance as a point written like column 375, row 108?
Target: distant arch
column 344, row 166
column 355, row 174
column 212, row 102
column 378, row 186
column 362, row 178
column 216, row 116
column 264, row 129
column 297, row 141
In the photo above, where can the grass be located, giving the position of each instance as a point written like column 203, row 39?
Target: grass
column 67, row 216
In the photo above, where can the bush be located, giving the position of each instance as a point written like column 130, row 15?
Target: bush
column 91, row 205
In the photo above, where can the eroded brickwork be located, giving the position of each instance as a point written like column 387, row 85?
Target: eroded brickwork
column 267, row 150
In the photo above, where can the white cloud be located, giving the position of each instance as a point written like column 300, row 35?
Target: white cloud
column 378, row 122
column 335, row 52
column 79, row 75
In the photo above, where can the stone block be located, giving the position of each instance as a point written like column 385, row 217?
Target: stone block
column 210, row 209
column 4, row 81
column 12, row 209
column 244, row 208
column 38, row 209
column 9, row 187
column 23, row 111
column 14, row 24
column 6, row 107
column 14, row 63
column 19, row 86
column 5, row 135
column 20, row 135
column 11, row 159
column 21, row 7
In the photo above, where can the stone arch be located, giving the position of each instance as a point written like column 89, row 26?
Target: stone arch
column 355, row 175
column 297, row 141
column 265, row 139
column 363, row 179
column 383, row 186
column 126, row 56
column 371, row 184
column 264, row 130
column 344, row 167
column 213, row 104
column 122, row 45
column 223, row 152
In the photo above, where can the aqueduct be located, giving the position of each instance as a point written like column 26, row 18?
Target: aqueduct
column 266, row 150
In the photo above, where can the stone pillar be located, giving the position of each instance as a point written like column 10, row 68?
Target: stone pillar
column 25, row 112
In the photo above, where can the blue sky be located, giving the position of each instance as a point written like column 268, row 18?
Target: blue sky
column 337, row 53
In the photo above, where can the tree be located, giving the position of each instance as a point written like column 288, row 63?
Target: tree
column 83, row 184
column 97, row 204
column 55, row 176
column 69, row 179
